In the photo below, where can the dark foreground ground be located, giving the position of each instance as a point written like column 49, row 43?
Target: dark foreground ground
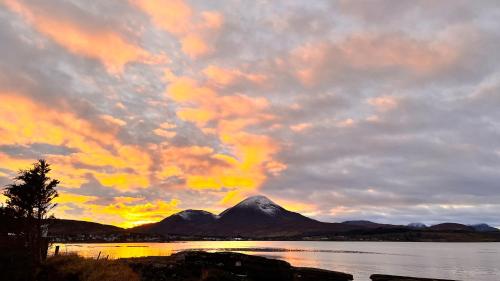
column 190, row 266
column 183, row 266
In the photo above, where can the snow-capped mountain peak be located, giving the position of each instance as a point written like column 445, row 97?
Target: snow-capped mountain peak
column 261, row 203
column 417, row 225
column 483, row 227
column 190, row 214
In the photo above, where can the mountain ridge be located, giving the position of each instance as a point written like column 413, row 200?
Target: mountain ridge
column 259, row 217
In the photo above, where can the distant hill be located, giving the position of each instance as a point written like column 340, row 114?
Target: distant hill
column 365, row 224
column 72, row 227
column 448, row 226
column 482, row 227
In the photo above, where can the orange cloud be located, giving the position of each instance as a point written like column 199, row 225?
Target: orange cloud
column 113, row 120
column 185, row 161
column 133, row 215
column 420, row 56
column 383, row 103
column 124, row 211
column 164, row 133
column 185, row 89
column 365, row 52
column 167, row 125
column 225, row 76
column 250, row 160
column 194, row 45
column 300, row 127
column 165, row 130
column 93, row 147
column 194, row 30
column 11, row 163
column 202, row 104
column 300, row 207
column 346, row 123
column 96, row 151
column 104, row 45
column 172, row 15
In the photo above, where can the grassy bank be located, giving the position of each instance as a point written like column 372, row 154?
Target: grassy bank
column 76, row 268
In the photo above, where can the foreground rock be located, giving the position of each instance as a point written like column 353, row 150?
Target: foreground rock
column 381, row 277
column 191, row 266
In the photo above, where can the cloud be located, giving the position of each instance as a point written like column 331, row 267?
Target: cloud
column 164, row 133
column 373, row 54
column 107, row 46
column 300, row 127
column 195, row 30
column 22, row 126
column 226, row 77
column 383, row 103
column 113, row 120
column 250, row 153
column 123, row 211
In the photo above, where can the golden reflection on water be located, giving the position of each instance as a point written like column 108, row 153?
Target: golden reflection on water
column 127, row 250
column 116, row 250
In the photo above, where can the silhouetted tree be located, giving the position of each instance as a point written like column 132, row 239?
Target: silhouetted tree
column 8, row 221
column 30, row 198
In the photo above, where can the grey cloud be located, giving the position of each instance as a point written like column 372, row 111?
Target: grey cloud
column 74, row 209
column 421, row 13
column 36, row 150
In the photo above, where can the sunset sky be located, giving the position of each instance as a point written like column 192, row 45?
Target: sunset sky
column 379, row 110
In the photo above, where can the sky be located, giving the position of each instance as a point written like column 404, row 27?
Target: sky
column 341, row 110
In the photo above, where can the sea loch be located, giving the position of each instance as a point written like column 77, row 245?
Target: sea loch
column 459, row 261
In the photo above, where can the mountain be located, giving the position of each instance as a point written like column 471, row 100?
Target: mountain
column 416, row 225
column 482, row 227
column 188, row 222
column 69, row 227
column 256, row 217
column 363, row 224
column 449, row 226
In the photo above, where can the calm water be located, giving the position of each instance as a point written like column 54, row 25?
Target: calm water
column 462, row 261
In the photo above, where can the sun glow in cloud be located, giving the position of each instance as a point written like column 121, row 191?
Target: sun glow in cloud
column 251, row 154
column 124, row 211
column 92, row 147
column 107, row 46
column 100, row 153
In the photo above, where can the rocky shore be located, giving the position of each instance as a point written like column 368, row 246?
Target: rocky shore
column 227, row 266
